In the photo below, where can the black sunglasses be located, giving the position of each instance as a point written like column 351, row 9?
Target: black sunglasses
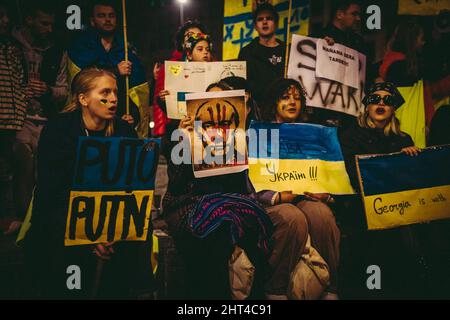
column 376, row 98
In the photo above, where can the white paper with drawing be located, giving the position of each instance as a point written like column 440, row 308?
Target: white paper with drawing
column 338, row 63
column 320, row 92
column 182, row 78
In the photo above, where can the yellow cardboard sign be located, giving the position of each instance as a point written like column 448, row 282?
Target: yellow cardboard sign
column 100, row 217
column 408, row 207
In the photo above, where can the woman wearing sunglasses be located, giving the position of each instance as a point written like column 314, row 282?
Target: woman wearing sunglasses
column 396, row 251
column 378, row 129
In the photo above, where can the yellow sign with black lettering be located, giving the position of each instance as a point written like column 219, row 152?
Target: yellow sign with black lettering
column 112, row 191
column 398, row 189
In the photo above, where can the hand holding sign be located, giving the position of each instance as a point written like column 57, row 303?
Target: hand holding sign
column 104, row 251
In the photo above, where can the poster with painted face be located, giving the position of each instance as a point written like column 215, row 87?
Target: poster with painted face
column 218, row 141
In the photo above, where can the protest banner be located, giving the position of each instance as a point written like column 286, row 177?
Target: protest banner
column 190, row 77
column 422, row 7
column 238, row 28
column 324, row 93
column 218, row 141
column 307, row 158
column 112, row 191
column 398, row 189
column 338, row 63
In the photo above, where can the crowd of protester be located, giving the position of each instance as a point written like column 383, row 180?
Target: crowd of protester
column 50, row 96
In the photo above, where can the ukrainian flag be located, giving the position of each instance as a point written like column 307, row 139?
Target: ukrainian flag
column 412, row 113
column 398, row 189
column 304, row 157
column 87, row 51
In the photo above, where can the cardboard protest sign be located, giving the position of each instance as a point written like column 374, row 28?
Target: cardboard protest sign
column 298, row 158
column 422, row 7
column 190, row 77
column 112, row 192
column 218, row 143
column 398, row 189
column 238, row 27
column 324, row 93
column 338, row 63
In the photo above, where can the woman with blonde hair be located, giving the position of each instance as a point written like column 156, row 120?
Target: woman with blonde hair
column 378, row 130
column 397, row 251
column 91, row 113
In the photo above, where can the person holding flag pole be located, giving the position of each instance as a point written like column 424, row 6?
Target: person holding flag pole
column 103, row 47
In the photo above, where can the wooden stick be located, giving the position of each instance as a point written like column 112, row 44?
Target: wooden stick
column 97, row 279
column 125, row 42
column 288, row 35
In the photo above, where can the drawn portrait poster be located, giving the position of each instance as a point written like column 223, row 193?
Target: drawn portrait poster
column 218, row 141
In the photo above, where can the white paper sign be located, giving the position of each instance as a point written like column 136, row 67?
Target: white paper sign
column 191, row 77
column 324, row 93
column 338, row 63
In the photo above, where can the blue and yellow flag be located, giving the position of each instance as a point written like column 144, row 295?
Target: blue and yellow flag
column 112, row 192
column 398, row 189
column 238, row 28
column 412, row 113
column 296, row 157
column 87, row 51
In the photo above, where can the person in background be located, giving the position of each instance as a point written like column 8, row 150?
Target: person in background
column 12, row 116
column 403, row 66
column 46, row 67
column 342, row 29
column 197, row 48
column 189, row 28
column 103, row 46
column 265, row 55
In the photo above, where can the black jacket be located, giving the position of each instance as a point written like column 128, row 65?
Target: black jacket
column 264, row 65
column 57, row 151
column 358, row 140
column 348, row 39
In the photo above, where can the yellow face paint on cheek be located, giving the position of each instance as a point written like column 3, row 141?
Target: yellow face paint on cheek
column 104, row 101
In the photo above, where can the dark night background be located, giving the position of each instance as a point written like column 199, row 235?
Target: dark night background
column 152, row 23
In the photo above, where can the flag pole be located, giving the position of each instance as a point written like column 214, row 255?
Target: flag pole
column 125, row 41
column 288, row 35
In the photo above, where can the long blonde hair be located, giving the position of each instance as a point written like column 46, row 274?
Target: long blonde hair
column 84, row 82
column 393, row 126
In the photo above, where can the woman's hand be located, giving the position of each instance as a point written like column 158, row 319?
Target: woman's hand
column 13, row 227
column 163, row 94
column 124, row 68
column 329, row 40
column 323, row 197
column 286, row 197
column 128, row 118
column 187, row 123
column 411, row 151
column 104, row 250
